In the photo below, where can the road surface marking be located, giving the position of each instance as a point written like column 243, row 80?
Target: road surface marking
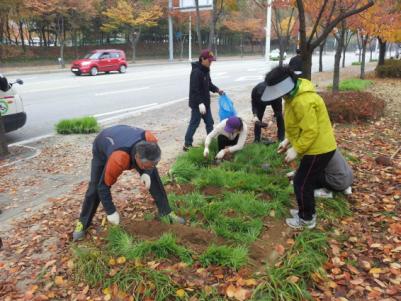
column 249, row 78
column 50, row 89
column 124, row 110
column 121, row 91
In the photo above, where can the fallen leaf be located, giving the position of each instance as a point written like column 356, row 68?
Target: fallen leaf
column 280, row 249
column 375, row 271
column 59, row 281
column 121, row 260
column 293, row 279
column 180, row 293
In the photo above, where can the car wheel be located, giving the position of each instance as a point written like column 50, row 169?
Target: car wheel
column 122, row 69
column 77, row 73
column 93, row 71
column 107, row 72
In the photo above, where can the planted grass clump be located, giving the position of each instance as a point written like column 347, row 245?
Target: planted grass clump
column 233, row 257
column 122, row 244
column 84, row 125
column 332, row 209
column 288, row 281
column 92, row 266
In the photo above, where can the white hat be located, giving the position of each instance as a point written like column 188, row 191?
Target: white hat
column 278, row 90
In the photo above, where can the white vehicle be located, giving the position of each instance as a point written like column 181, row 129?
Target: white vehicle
column 275, row 55
column 12, row 108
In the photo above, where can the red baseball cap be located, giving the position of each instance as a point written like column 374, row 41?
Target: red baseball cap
column 208, row 54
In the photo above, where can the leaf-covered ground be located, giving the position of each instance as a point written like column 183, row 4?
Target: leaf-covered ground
column 364, row 250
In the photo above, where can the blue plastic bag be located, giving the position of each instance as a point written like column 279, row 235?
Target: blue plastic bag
column 226, row 107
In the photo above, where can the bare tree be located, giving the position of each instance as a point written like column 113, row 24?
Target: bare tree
column 329, row 11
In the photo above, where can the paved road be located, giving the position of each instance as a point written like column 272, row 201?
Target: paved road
column 49, row 98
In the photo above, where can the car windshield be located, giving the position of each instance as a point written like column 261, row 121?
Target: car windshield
column 93, row 55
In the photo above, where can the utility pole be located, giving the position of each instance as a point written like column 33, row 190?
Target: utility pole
column 268, row 32
column 170, row 32
column 190, row 40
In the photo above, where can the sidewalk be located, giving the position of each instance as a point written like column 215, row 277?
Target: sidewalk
column 148, row 62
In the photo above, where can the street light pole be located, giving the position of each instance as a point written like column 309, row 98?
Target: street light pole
column 170, row 32
column 268, row 32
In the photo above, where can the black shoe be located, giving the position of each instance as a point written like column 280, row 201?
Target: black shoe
column 186, row 147
column 267, row 141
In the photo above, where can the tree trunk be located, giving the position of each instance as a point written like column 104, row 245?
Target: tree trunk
column 3, row 144
column 198, row 32
column 321, row 49
column 21, row 33
column 382, row 53
column 364, row 44
column 337, row 58
column 307, row 63
column 242, row 45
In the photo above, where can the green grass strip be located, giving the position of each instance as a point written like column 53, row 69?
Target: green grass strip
column 84, row 125
column 357, row 85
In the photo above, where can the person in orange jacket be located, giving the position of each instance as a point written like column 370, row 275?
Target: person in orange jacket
column 116, row 149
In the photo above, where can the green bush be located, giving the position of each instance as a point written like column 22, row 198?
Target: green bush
column 391, row 68
column 84, row 125
column 353, row 84
column 356, row 63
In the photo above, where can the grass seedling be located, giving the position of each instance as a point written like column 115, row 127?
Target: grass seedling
column 84, row 125
column 354, row 84
column 233, row 257
column 122, row 244
column 90, row 265
column 304, row 258
column 237, row 229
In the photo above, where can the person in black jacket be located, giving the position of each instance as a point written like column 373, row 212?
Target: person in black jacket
column 258, row 110
column 296, row 64
column 199, row 96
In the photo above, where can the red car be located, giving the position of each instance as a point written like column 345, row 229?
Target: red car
column 102, row 60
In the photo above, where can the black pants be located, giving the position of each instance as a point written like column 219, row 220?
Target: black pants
column 196, row 117
column 307, row 179
column 92, row 198
column 278, row 114
column 223, row 141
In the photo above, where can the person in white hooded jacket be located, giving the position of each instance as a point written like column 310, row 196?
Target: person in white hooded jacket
column 231, row 136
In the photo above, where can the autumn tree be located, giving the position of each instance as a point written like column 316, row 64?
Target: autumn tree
column 245, row 22
column 131, row 16
column 330, row 13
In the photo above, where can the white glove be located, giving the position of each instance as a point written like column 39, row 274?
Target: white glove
column 255, row 118
column 202, row 109
column 283, row 146
column 220, row 154
column 145, row 180
column 290, row 155
column 290, row 174
column 206, row 152
column 114, row 218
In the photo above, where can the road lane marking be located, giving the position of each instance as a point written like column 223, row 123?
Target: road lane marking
column 50, row 89
column 156, row 106
column 121, row 91
column 249, row 78
column 123, row 110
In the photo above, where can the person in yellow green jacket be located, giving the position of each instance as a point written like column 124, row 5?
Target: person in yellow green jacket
column 309, row 135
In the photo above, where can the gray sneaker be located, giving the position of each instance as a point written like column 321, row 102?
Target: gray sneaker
column 173, row 218
column 79, row 232
column 299, row 223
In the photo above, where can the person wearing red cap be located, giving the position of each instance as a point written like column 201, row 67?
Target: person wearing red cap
column 199, row 96
column 231, row 136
